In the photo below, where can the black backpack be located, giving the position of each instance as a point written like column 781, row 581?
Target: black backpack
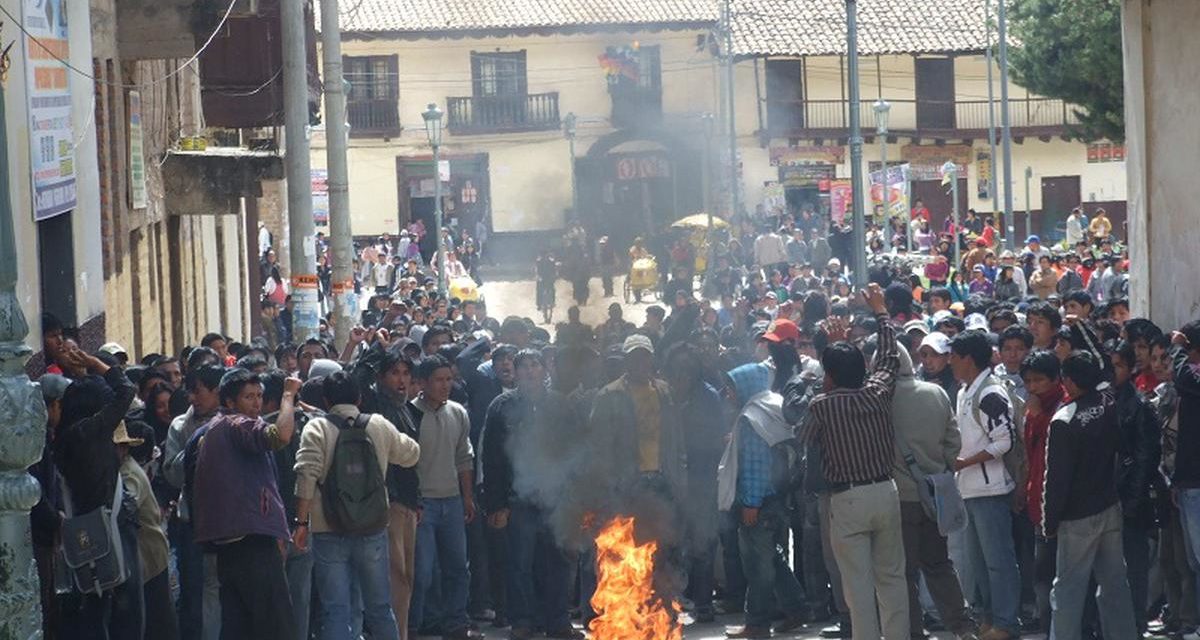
column 354, row 494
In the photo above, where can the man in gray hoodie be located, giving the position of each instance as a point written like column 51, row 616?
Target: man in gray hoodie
column 924, row 425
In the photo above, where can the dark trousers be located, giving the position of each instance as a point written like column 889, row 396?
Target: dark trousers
column 538, row 573
column 770, row 582
column 816, row 576
column 190, row 561
column 925, row 554
column 731, row 558
column 160, row 616
column 1136, row 545
column 117, row 614
column 1045, row 567
column 254, row 590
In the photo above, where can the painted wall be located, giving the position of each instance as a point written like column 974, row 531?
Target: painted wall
column 1164, row 150
column 530, row 178
column 530, row 172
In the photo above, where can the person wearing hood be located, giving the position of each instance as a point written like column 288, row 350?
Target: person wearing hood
column 745, row 482
column 923, row 419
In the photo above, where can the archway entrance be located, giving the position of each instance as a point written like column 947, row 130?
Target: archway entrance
column 635, row 183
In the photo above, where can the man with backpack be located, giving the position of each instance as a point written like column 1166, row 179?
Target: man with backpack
column 342, row 499
column 991, row 446
column 754, row 476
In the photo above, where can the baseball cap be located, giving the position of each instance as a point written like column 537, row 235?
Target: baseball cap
column 635, row 342
column 112, row 349
column 781, row 330
column 976, row 321
column 1032, row 239
column 936, row 341
column 941, row 315
column 916, row 325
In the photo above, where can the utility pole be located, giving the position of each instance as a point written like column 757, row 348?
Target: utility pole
column 950, row 170
column 1004, row 119
column 23, row 432
column 303, row 249
column 735, row 196
column 858, row 245
column 1028, row 206
column 1006, row 219
column 340, row 235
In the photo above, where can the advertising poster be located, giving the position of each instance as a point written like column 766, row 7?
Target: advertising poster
column 51, row 139
column 897, row 181
column 137, row 154
column 320, row 197
column 840, row 194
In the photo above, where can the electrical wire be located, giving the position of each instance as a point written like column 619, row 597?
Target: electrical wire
column 212, row 36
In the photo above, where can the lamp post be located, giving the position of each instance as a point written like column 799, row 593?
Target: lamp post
column 856, row 142
column 569, row 132
column 1028, row 207
column 433, row 128
column 23, row 431
column 882, row 107
column 950, row 170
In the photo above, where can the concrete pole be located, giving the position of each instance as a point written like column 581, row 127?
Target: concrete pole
column 1006, row 130
column 437, row 218
column 957, row 221
column 340, row 236
column 1028, row 207
column 735, row 196
column 23, row 432
column 1006, row 220
column 303, row 258
column 858, row 245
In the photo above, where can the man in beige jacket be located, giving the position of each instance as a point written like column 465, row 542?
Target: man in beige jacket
column 342, row 559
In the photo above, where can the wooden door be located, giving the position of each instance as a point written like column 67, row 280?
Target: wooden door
column 935, row 93
column 1060, row 194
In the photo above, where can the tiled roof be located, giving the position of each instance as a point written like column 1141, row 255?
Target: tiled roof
column 491, row 15
column 761, row 27
column 818, row 27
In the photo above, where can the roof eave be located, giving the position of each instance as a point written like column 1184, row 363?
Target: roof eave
column 458, row 34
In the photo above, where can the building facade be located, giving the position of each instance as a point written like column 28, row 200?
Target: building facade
column 646, row 89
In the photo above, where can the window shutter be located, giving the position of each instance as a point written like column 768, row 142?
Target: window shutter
column 476, row 76
column 393, row 79
column 522, row 80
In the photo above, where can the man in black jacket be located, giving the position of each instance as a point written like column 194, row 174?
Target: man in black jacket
column 1081, row 506
column 516, row 493
column 1139, row 451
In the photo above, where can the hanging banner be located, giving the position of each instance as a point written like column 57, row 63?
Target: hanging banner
column 320, row 197
column 840, row 199
column 983, row 174
column 51, row 138
column 137, row 160
column 897, row 189
column 926, row 160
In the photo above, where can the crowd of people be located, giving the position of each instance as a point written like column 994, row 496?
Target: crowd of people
column 898, row 459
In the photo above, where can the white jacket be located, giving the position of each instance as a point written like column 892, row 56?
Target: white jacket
column 994, row 430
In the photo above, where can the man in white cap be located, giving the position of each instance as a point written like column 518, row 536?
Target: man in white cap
column 934, row 355
column 638, row 411
column 117, row 351
column 1009, row 259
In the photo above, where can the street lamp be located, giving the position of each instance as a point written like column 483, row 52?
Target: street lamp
column 569, row 132
column 950, row 172
column 433, row 128
column 882, row 107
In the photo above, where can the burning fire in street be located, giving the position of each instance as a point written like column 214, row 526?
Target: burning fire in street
column 625, row 602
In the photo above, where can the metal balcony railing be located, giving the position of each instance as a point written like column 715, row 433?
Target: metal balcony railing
column 1041, row 115
column 500, row 114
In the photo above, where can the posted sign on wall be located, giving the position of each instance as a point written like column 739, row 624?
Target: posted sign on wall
column 51, row 141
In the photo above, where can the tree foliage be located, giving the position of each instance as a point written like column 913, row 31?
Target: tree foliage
column 1071, row 49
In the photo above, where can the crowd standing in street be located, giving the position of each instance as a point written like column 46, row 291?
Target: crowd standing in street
column 989, row 447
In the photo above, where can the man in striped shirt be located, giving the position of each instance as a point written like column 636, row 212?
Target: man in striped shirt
column 851, row 422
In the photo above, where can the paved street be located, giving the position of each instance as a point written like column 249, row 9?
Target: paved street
column 516, row 297
column 716, row 631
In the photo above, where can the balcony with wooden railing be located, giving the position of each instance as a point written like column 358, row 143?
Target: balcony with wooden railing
column 1028, row 117
column 374, row 117
column 503, row 114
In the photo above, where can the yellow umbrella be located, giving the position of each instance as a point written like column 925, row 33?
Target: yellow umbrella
column 698, row 221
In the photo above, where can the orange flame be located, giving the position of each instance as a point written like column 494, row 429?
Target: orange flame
column 626, row 605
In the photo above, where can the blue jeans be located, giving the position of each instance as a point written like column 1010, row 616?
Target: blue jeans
column 190, row 560
column 992, row 561
column 770, row 582
column 441, row 540
column 1091, row 548
column 530, row 544
column 1189, row 518
column 342, row 560
column 299, row 570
